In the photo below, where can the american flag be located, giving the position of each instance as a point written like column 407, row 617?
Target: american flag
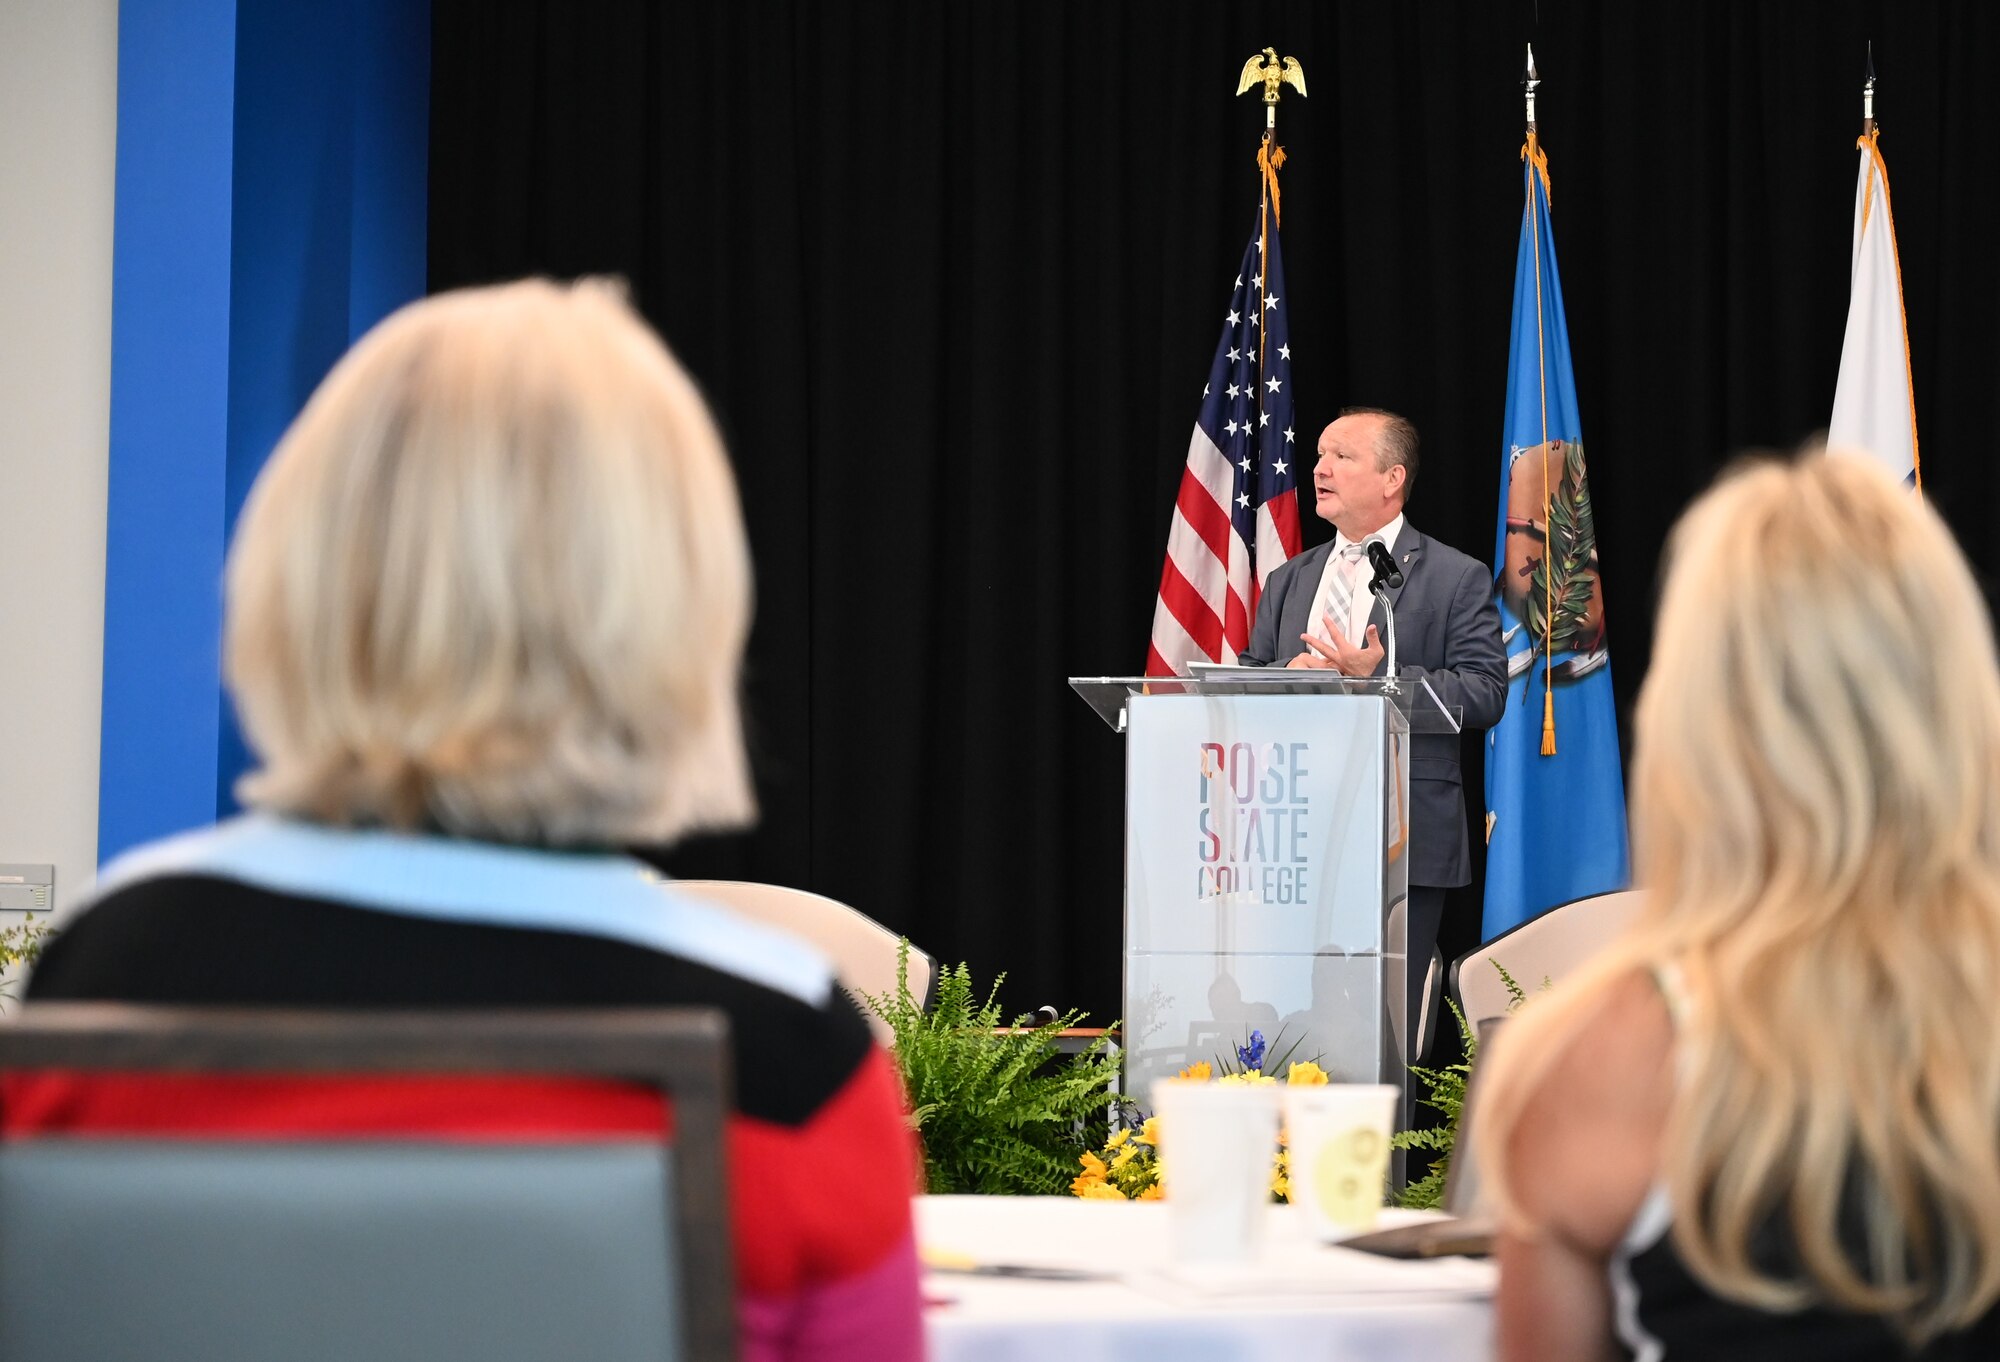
column 1237, row 515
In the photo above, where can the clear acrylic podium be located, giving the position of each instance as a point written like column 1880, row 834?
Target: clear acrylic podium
column 1266, row 866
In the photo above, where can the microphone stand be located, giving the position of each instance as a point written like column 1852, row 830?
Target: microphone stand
column 1391, row 684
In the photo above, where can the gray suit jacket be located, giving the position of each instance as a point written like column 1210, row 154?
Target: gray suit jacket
column 1448, row 632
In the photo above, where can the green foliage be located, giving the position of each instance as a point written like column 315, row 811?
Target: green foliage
column 997, row 1107
column 1570, row 553
column 1516, row 995
column 1444, row 1093
column 21, row 944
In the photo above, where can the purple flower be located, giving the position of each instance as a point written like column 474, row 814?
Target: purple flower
column 1251, row 1056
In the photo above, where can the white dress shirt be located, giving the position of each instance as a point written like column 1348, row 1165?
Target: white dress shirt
column 1355, row 627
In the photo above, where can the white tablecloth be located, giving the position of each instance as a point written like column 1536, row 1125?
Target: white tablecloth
column 1302, row 1302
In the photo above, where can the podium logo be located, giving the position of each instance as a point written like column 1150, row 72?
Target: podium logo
column 1251, row 822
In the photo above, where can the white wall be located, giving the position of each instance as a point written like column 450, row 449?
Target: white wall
column 58, row 128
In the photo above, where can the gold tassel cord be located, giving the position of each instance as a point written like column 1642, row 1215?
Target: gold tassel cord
column 1866, row 142
column 1270, row 213
column 1533, row 152
column 1269, row 158
column 1535, row 156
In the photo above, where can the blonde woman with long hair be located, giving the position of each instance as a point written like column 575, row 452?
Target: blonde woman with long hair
column 1768, row 1123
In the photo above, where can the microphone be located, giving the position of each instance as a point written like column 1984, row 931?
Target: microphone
column 1386, row 577
column 1386, row 571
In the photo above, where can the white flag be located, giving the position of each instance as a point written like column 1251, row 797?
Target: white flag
column 1872, row 409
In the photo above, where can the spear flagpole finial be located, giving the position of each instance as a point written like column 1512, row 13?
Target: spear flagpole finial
column 1528, row 84
column 1868, row 92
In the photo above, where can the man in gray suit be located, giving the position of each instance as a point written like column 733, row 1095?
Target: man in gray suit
column 1317, row 611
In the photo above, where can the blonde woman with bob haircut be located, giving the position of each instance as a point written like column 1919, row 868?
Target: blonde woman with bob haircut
column 495, row 587
column 486, row 608
column 1768, row 1123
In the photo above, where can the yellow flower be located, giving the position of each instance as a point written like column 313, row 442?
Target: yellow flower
column 1123, row 1157
column 1118, row 1139
column 1099, row 1191
column 1249, row 1077
column 1200, row 1069
column 1153, row 1193
column 1306, row 1075
column 1149, row 1133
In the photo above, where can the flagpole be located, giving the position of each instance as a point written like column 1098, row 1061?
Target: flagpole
column 1528, row 84
column 1538, row 165
column 1264, row 68
column 1868, row 128
column 1870, row 144
column 1239, row 467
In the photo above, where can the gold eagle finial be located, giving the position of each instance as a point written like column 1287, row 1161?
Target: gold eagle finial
column 1264, row 67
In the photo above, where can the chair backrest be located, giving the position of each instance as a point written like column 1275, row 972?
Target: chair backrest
column 392, row 1249
column 1429, row 1004
column 862, row 950
column 1550, row 947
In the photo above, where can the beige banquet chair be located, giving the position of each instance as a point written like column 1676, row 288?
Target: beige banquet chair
column 1549, row 947
column 862, row 950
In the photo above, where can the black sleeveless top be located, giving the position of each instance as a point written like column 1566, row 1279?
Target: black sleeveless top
column 1662, row 1312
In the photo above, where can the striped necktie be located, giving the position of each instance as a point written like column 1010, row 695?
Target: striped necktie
column 1340, row 594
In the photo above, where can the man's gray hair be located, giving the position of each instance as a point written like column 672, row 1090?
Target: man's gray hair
column 1395, row 444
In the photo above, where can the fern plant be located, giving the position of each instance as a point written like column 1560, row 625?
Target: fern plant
column 1444, row 1093
column 997, row 1108
column 20, row 944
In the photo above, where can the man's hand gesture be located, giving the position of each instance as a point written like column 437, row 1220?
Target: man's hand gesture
column 1340, row 655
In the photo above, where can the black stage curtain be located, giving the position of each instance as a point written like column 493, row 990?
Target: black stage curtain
column 952, row 274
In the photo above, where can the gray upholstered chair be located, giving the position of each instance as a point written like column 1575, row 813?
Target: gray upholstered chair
column 390, row 1250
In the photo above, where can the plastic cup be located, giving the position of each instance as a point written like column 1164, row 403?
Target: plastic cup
column 1216, row 1145
column 1338, row 1138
